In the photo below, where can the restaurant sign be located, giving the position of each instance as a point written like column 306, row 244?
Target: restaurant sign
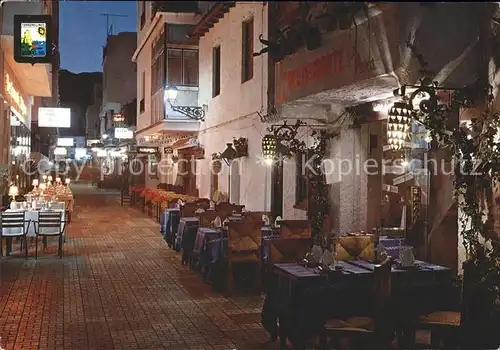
column 14, row 95
column 147, row 150
column 345, row 58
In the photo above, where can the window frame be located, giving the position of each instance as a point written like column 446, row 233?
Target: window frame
column 216, row 71
column 247, row 39
column 183, row 66
column 142, row 105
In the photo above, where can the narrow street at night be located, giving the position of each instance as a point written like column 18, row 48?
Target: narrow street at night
column 117, row 287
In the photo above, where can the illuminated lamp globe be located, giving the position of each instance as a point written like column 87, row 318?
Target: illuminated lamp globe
column 170, row 93
column 269, row 148
column 398, row 125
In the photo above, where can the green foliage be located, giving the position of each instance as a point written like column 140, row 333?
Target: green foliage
column 477, row 157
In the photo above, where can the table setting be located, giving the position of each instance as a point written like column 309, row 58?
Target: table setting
column 324, row 283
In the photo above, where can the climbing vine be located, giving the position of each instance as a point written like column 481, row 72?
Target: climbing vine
column 475, row 149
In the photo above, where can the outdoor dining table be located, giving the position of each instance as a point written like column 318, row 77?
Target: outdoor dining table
column 303, row 299
column 31, row 219
column 169, row 223
column 211, row 245
column 186, row 235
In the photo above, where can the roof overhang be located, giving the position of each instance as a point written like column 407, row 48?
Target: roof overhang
column 212, row 17
column 36, row 80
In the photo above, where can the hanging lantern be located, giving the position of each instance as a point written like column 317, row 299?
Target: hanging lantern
column 399, row 125
column 269, row 147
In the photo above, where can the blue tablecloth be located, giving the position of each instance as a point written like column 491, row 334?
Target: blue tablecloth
column 186, row 233
column 169, row 222
column 392, row 245
column 211, row 244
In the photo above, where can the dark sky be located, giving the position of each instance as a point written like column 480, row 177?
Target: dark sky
column 82, row 31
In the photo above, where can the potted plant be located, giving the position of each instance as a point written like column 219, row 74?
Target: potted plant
column 216, row 163
column 241, row 146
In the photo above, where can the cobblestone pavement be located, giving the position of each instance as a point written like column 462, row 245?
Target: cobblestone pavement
column 117, row 287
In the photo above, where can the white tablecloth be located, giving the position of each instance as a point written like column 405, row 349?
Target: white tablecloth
column 32, row 215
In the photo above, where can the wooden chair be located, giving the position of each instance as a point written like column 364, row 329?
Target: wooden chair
column 225, row 208
column 203, row 203
column 373, row 331
column 354, row 247
column 257, row 215
column 244, row 246
column 289, row 250
column 207, row 217
column 13, row 224
column 50, row 224
column 295, row 228
column 446, row 326
column 238, row 209
column 188, row 210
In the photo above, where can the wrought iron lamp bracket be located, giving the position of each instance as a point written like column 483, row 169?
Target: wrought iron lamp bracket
column 430, row 88
column 285, row 132
column 192, row 112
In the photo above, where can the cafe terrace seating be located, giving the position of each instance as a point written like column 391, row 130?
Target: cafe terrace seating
column 374, row 329
column 295, row 228
column 244, row 242
column 354, row 247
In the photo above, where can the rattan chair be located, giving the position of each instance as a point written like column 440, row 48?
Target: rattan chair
column 373, row 331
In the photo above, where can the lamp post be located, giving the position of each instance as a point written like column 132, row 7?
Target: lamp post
column 169, row 99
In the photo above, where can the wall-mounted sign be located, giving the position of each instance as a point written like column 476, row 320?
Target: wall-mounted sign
column 147, row 150
column 123, row 133
column 60, row 151
column 14, row 95
column 65, row 142
column 33, row 38
column 168, row 150
column 415, row 203
column 339, row 70
column 118, row 118
column 54, row 117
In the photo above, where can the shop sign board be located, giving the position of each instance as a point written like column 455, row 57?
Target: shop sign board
column 14, row 94
column 123, row 133
column 33, row 39
column 147, row 150
column 345, row 58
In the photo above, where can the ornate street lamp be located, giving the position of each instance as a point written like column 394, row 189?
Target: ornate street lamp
column 192, row 112
column 269, row 148
column 399, row 125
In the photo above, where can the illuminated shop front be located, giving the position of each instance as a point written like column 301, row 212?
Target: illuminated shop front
column 17, row 113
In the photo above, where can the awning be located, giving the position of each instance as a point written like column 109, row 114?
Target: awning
column 169, row 127
column 185, row 143
column 36, row 80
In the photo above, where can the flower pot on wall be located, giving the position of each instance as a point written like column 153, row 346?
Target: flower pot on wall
column 216, row 166
column 241, row 147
